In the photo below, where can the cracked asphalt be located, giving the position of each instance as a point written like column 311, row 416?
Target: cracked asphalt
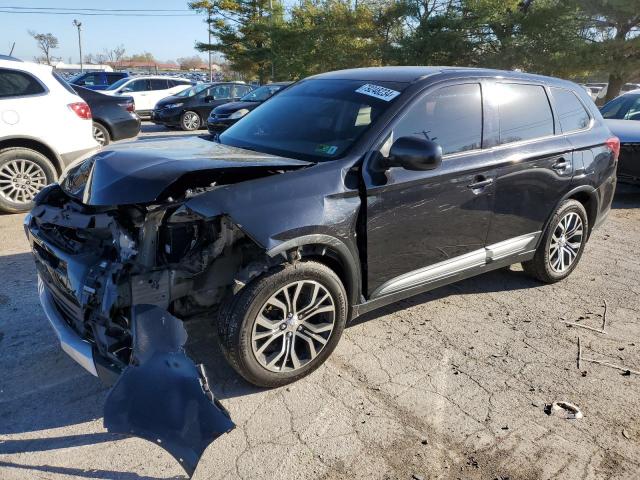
column 449, row 384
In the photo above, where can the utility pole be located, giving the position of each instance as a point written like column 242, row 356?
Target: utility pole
column 209, row 30
column 273, row 68
column 78, row 24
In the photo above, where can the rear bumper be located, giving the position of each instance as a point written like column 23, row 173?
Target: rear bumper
column 126, row 129
column 73, row 345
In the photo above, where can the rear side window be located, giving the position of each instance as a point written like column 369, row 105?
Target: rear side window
column 158, row 84
column 525, row 112
column 113, row 78
column 450, row 116
column 571, row 113
column 14, row 83
column 241, row 90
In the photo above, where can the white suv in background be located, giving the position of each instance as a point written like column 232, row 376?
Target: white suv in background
column 147, row 90
column 44, row 126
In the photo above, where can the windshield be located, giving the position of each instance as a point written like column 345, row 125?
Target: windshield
column 190, row 92
column 118, row 84
column 623, row 107
column 262, row 93
column 314, row 119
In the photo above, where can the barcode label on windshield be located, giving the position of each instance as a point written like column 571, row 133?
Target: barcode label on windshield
column 376, row 91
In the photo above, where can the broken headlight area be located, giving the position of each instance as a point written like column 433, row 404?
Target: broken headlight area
column 123, row 279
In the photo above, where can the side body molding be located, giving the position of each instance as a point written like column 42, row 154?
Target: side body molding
column 510, row 248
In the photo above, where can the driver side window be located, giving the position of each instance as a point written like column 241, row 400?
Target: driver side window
column 450, row 116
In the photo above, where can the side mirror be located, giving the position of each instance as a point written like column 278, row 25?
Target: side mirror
column 208, row 99
column 126, row 90
column 413, row 153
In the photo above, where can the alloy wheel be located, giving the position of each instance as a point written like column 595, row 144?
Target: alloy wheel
column 99, row 136
column 191, row 121
column 566, row 242
column 293, row 326
column 21, row 180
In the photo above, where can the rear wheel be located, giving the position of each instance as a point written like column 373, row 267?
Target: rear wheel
column 284, row 325
column 23, row 173
column 562, row 245
column 101, row 134
column 190, row 121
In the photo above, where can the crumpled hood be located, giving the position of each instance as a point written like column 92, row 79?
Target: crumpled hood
column 149, row 171
column 628, row 131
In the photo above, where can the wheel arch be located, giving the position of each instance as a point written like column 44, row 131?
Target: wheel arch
column 105, row 125
column 331, row 252
column 36, row 145
column 587, row 196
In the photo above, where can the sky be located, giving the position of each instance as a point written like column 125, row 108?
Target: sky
column 167, row 38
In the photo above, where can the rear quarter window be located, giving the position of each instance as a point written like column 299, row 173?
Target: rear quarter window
column 525, row 112
column 14, row 83
column 572, row 115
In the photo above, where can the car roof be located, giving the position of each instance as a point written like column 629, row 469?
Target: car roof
column 36, row 68
column 411, row 74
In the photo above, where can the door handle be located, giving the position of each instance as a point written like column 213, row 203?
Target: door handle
column 480, row 182
column 561, row 165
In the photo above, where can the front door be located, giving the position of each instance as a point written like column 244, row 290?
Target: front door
column 419, row 219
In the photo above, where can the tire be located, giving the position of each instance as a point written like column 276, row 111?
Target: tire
column 190, row 121
column 238, row 323
column 550, row 265
column 16, row 189
column 101, row 134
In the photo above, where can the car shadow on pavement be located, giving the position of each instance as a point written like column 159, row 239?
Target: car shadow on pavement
column 83, row 473
column 500, row 280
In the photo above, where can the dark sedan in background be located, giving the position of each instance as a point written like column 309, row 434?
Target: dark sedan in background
column 622, row 116
column 114, row 118
column 224, row 116
column 189, row 108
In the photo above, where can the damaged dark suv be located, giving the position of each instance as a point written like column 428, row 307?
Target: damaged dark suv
column 348, row 191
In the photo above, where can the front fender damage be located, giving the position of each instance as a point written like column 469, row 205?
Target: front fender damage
column 162, row 396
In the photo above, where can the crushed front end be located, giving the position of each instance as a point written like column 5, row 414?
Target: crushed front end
column 97, row 267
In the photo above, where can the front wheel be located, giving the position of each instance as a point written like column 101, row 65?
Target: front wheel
column 190, row 121
column 284, row 324
column 562, row 245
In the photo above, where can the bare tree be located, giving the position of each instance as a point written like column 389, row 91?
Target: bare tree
column 115, row 55
column 189, row 63
column 46, row 42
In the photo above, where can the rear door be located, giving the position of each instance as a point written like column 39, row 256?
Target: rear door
column 534, row 160
column 423, row 226
column 139, row 89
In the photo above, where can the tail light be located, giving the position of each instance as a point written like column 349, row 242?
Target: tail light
column 129, row 106
column 81, row 109
column 614, row 145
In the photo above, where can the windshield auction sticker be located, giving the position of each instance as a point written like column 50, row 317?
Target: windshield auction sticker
column 376, row 91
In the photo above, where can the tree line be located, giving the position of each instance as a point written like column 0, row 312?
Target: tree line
column 47, row 43
column 263, row 40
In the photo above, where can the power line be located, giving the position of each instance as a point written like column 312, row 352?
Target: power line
column 99, row 14
column 96, row 9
